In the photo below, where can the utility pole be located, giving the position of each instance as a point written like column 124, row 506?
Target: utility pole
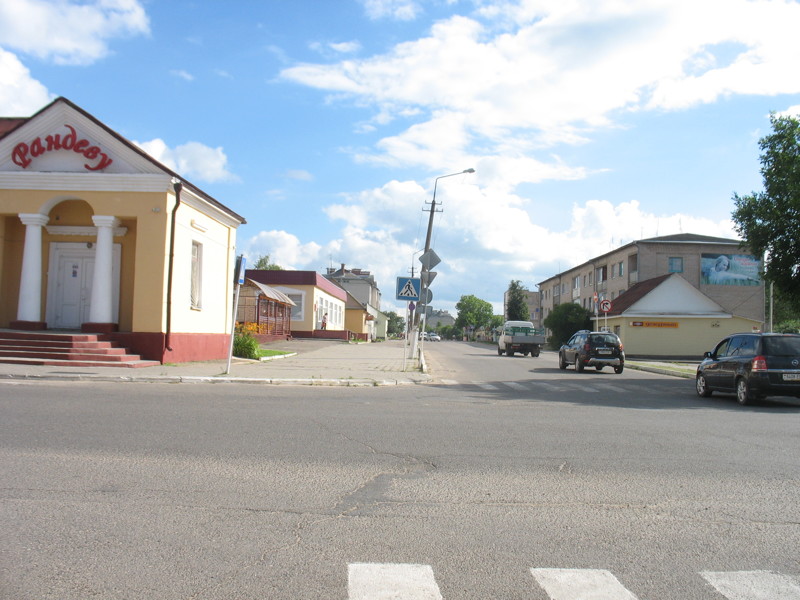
column 423, row 285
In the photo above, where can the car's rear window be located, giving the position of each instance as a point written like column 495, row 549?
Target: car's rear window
column 603, row 339
column 782, row 346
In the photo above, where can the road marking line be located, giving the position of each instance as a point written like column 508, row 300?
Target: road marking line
column 386, row 581
column 753, row 585
column 576, row 584
column 485, row 386
column 515, row 386
column 609, row 387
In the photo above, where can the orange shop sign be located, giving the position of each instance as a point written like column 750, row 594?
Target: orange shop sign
column 668, row 324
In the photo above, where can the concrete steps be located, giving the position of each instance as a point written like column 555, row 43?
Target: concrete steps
column 66, row 349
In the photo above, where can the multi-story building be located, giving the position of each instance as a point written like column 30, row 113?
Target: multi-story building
column 722, row 270
column 533, row 301
column 361, row 286
column 439, row 318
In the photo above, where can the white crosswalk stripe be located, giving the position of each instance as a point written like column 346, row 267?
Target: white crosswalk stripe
column 753, row 585
column 516, row 386
column 374, row 581
column 392, row 581
column 484, row 386
column 576, row 584
column 534, row 386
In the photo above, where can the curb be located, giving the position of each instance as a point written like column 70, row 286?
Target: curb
column 660, row 370
column 220, row 380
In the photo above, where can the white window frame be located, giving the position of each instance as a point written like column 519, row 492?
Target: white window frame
column 196, row 276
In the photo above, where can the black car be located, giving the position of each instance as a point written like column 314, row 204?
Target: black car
column 753, row 366
column 596, row 349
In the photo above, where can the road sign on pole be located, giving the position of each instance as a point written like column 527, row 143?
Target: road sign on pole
column 408, row 288
column 605, row 305
column 429, row 259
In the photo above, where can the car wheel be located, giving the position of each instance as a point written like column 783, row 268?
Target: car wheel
column 578, row 364
column 599, row 367
column 524, row 354
column 535, row 353
column 701, row 385
column 562, row 363
column 509, row 352
column 499, row 352
column 743, row 394
column 619, row 369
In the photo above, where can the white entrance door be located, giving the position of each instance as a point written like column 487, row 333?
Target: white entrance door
column 69, row 291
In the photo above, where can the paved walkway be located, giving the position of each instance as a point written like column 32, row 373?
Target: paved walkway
column 311, row 362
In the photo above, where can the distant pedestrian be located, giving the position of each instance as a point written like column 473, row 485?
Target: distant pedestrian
column 325, row 321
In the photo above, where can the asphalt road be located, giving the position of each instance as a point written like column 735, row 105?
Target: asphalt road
column 506, row 465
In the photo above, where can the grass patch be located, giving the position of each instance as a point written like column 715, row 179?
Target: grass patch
column 266, row 353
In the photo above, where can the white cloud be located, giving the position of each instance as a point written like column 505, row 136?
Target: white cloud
column 69, row 33
column 192, row 160
column 20, row 94
column 284, row 249
column 181, row 74
column 401, row 10
column 546, row 72
column 792, row 111
column 299, row 174
column 345, row 47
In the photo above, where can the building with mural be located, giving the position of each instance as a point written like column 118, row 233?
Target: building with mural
column 720, row 270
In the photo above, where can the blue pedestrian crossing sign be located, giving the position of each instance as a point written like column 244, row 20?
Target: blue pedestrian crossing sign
column 408, row 288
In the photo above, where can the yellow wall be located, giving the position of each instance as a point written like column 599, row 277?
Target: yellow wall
column 354, row 320
column 691, row 337
column 144, row 257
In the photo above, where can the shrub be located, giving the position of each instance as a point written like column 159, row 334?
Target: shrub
column 245, row 346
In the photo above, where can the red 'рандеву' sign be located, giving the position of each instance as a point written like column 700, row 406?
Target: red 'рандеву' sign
column 23, row 153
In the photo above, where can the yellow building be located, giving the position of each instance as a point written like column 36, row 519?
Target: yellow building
column 668, row 317
column 97, row 236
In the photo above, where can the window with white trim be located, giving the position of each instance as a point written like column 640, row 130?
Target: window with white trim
column 196, row 286
column 297, row 309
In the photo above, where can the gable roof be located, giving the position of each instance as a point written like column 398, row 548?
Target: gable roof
column 295, row 278
column 9, row 124
column 666, row 295
column 271, row 293
column 691, row 238
column 15, row 125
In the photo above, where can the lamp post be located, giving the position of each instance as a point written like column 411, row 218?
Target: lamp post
column 423, row 286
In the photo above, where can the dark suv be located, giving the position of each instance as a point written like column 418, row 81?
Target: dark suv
column 596, row 349
column 752, row 365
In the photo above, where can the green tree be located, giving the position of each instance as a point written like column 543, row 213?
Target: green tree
column 263, row 264
column 566, row 319
column 497, row 321
column 473, row 311
column 769, row 221
column 395, row 323
column 516, row 308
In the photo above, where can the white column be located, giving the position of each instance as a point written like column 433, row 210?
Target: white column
column 100, row 310
column 30, row 284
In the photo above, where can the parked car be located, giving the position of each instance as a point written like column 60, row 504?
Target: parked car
column 753, row 366
column 596, row 349
column 434, row 337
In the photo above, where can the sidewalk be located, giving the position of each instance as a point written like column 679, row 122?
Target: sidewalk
column 310, row 362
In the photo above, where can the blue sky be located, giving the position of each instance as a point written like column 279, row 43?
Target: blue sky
column 325, row 123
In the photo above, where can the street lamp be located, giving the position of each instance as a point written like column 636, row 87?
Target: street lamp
column 433, row 205
column 423, row 286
